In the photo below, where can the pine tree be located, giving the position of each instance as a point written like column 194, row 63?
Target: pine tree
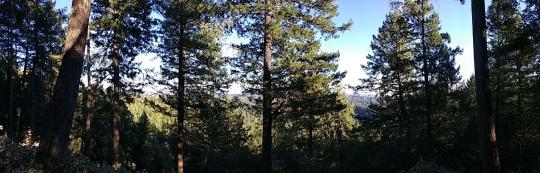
column 512, row 62
column 411, row 63
column 312, row 78
column 434, row 66
column 53, row 145
column 390, row 71
column 124, row 29
column 11, row 35
column 190, row 50
column 43, row 42
column 269, row 26
column 33, row 31
column 488, row 140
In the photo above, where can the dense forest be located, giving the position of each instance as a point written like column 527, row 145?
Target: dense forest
column 73, row 96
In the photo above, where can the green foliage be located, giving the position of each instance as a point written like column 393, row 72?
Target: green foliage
column 413, row 71
column 32, row 36
column 512, row 59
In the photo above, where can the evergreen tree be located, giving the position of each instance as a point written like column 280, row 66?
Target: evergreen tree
column 390, row 70
column 11, row 35
column 412, row 63
column 512, row 59
column 53, row 145
column 435, row 69
column 486, row 122
column 273, row 28
column 43, row 43
column 32, row 42
column 123, row 30
column 190, row 50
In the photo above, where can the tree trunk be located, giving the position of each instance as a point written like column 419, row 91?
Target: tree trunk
column 24, row 85
column 35, row 78
column 10, row 74
column 53, row 145
column 89, row 100
column 25, row 66
column 311, row 128
column 339, row 135
column 181, row 105
column 488, row 139
column 116, row 60
column 267, row 90
column 427, row 94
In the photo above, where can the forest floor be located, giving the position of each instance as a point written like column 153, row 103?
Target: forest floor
column 21, row 157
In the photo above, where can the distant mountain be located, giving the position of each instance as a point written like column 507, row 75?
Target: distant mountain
column 361, row 101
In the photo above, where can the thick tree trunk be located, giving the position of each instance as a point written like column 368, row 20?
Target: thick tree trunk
column 267, row 91
column 116, row 60
column 53, row 145
column 89, row 105
column 488, row 139
column 180, row 107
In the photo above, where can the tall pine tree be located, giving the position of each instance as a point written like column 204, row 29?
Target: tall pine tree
column 265, row 24
column 435, row 70
column 193, row 67
column 123, row 30
column 53, row 145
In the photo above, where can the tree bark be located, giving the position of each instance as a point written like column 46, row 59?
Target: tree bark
column 267, row 90
column 488, row 139
column 116, row 61
column 53, row 145
column 181, row 105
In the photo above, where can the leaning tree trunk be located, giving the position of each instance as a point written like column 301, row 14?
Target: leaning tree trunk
column 267, row 91
column 53, row 145
column 488, row 139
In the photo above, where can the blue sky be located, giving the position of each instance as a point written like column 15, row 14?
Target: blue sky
column 367, row 16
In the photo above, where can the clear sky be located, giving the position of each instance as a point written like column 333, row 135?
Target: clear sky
column 367, row 16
